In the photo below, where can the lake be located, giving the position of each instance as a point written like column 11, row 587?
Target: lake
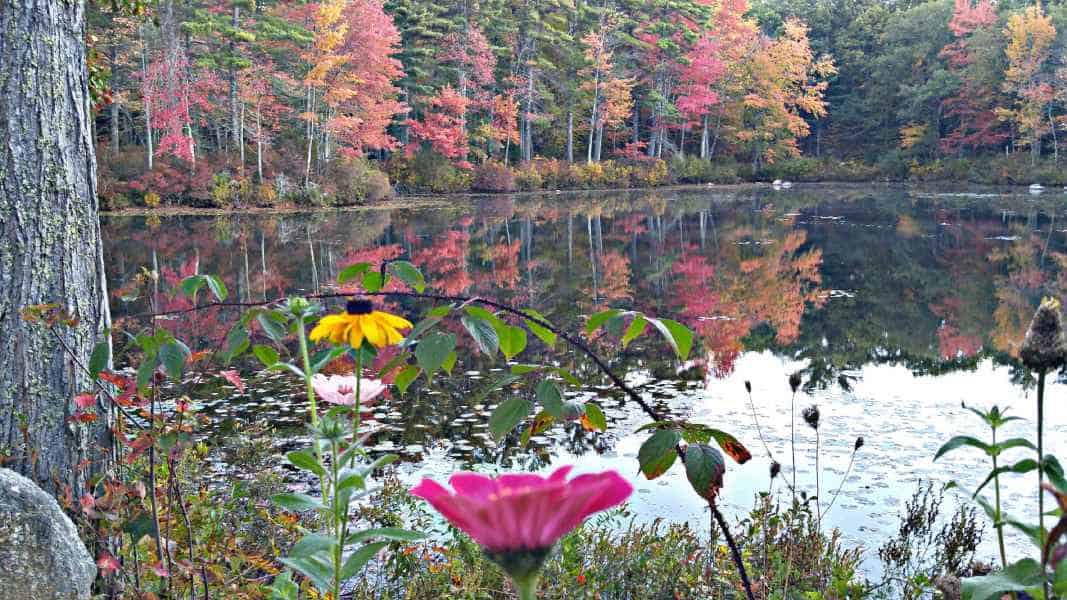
column 896, row 304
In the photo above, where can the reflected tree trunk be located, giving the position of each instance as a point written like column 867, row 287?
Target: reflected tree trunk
column 51, row 250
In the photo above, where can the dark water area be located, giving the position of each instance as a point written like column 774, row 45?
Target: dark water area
column 897, row 305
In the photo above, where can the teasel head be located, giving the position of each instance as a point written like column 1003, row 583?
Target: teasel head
column 859, row 444
column 794, row 381
column 775, row 469
column 1044, row 348
column 811, row 416
column 748, row 386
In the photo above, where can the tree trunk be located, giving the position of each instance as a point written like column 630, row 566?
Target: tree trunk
column 51, row 251
column 234, row 113
column 570, row 137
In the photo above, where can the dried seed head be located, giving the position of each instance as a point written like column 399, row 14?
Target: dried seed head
column 794, row 381
column 859, row 444
column 811, row 416
column 775, row 469
column 1044, row 348
column 748, row 386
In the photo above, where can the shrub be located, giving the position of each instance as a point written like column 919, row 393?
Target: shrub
column 266, row 195
column 493, row 177
column 354, row 180
column 151, row 200
column 651, row 173
column 114, row 201
column 427, row 171
column 528, row 179
column 792, row 169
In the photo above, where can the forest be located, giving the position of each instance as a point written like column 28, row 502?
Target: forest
column 221, row 103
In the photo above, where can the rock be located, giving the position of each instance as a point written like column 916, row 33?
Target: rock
column 40, row 551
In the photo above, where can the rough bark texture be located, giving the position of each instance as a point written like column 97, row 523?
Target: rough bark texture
column 50, row 249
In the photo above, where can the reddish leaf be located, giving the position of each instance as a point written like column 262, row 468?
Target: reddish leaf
column 234, row 378
column 85, row 401
column 107, row 564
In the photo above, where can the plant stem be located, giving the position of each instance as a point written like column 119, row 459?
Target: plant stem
column 793, row 439
column 526, row 587
column 356, row 402
column 999, row 518
column 1041, row 469
column 818, row 494
column 301, row 336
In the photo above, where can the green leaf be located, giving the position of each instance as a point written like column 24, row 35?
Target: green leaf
column 373, row 281
column 313, row 543
column 266, row 355
column 512, row 340
column 173, row 358
column 1022, row 576
column 568, row 377
column 141, row 525
column 1023, row 466
column 283, row 588
column 419, row 329
column 507, row 415
column 405, row 377
column 191, row 286
column 637, row 326
column 352, row 272
column 550, row 397
column 394, row 534
column 677, row 335
column 492, row 387
column 705, row 467
column 273, row 324
column 325, row 357
column 596, row 417
column 217, row 287
column 1012, row 443
column 521, row 369
column 958, row 442
column 450, row 362
column 433, row 350
column 305, row 460
column 597, row 320
column 359, row 558
column 658, row 452
column 297, row 502
column 315, row 568
column 481, row 313
column 729, row 444
column 543, row 333
column 100, row 357
column 236, row 343
column 483, row 334
column 409, row 274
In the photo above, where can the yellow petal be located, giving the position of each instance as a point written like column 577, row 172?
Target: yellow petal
column 355, row 333
column 394, row 320
column 375, row 333
column 326, row 327
column 393, row 335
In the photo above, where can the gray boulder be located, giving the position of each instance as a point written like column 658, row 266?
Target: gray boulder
column 40, row 551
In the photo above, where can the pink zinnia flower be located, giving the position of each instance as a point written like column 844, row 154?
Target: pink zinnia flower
column 517, row 518
column 341, row 389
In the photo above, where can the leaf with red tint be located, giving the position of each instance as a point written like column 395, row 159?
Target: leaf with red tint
column 160, row 570
column 234, row 378
column 88, row 504
column 107, row 563
column 139, row 445
column 85, row 401
column 198, row 355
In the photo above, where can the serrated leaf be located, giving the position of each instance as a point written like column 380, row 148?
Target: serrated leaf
column 479, row 312
column 597, row 320
column 373, row 281
column 433, row 350
column 507, row 415
column 483, row 333
column 173, row 359
column 266, row 355
column 100, row 358
column 273, row 324
column 658, row 452
column 705, row 467
column 409, row 274
column 550, row 397
column 405, row 377
column 512, row 340
column 352, row 272
column 544, row 334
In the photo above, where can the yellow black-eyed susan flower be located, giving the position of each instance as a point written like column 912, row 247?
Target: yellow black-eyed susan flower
column 360, row 321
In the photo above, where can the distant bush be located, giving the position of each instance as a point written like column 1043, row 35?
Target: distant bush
column 355, row 180
column 493, row 177
column 428, row 172
column 528, row 179
column 693, row 169
column 792, row 169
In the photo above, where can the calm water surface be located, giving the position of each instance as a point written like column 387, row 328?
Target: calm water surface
column 896, row 305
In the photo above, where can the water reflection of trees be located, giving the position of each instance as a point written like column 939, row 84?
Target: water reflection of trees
column 839, row 278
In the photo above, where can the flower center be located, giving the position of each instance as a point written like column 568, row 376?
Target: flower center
column 359, row 307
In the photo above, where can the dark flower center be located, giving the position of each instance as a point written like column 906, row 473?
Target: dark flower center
column 359, row 307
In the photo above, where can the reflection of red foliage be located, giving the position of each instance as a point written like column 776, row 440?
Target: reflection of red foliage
column 444, row 262
column 952, row 343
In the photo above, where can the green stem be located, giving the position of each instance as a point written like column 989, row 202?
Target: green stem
column 313, row 410
column 527, row 587
column 1041, row 466
column 339, row 533
column 356, row 402
column 999, row 517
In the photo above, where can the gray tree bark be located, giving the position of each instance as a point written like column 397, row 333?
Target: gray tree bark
column 50, row 249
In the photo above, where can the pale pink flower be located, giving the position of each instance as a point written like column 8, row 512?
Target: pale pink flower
column 522, row 511
column 341, row 389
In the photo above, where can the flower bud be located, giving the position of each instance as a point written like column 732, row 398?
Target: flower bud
column 859, row 444
column 1044, row 348
column 748, row 386
column 811, row 416
column 794, row 381
column 775, row 469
